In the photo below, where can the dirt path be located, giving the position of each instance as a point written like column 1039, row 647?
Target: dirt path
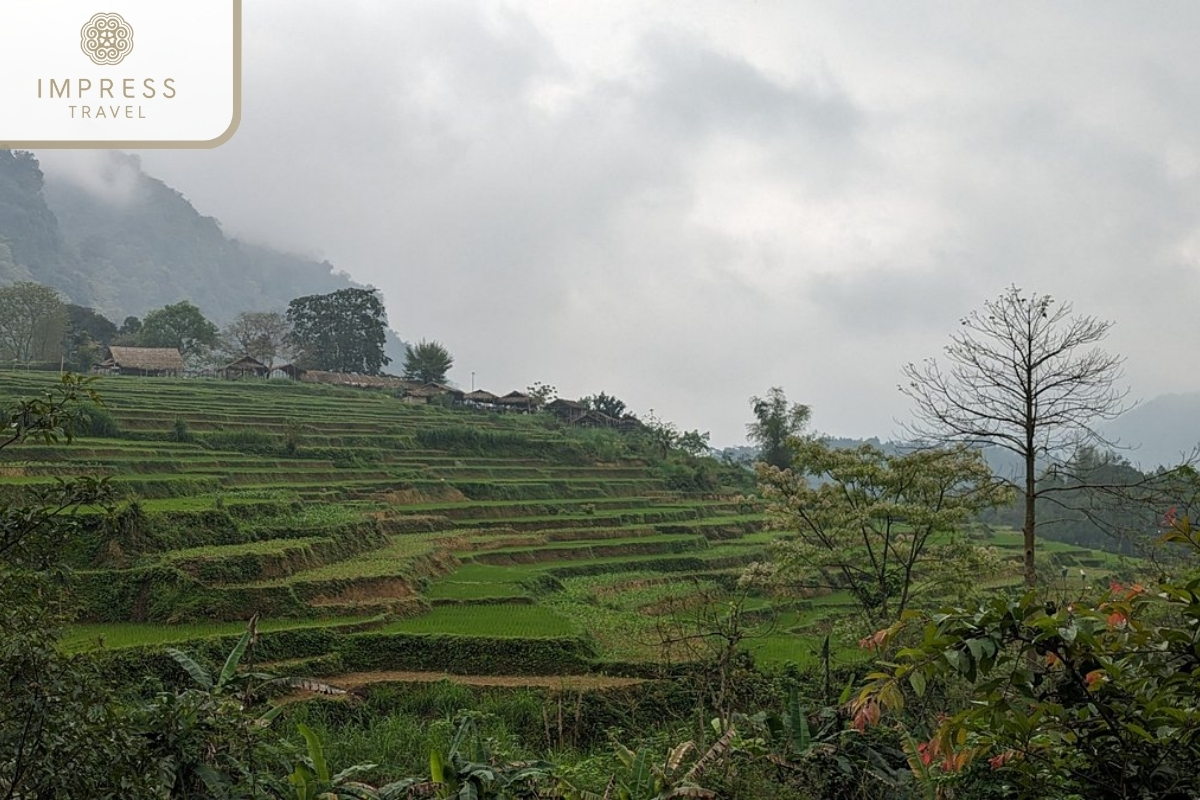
column 356, row 680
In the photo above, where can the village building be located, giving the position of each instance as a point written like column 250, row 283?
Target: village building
column 246, row 367
column 595, row 419
column 516, row 401
column 572, row 412
column 356, row 380
column 147, row 361
column 428, row 392
column 285, row 372
column 566, row 409
column 480, row 399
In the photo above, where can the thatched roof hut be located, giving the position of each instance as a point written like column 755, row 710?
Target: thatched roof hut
column 357, row 380
column 285, row 372
column 142, row 361
column 594, row 419
column 453, row 391
column 427, row 391
column 566, row 409
column 480, row 398
column 246, row 367
column 516, row 401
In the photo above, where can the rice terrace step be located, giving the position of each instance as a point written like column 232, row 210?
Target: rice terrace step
column 314, row 504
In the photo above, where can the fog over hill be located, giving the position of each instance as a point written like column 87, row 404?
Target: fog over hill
column 1160, row 431
column 99, row 229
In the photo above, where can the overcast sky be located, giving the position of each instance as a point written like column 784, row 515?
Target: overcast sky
column 686, row 203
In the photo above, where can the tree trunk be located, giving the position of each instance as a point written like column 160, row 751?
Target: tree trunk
column 1030, row 519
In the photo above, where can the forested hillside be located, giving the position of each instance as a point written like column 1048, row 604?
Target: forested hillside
column 130, row 243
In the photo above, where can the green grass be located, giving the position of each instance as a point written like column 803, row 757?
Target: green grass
column 491, row 573
column 395, row 559
column 619, row 635
column 268, row 547
column 458, row 590
column 360, row 460
column 576, row 544
column 516, row 621
column 637, row 594
column 79, row 638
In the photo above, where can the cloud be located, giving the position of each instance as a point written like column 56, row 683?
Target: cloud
column 111, row 177
column 687, row 207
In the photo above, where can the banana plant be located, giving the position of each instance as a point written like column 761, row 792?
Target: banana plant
column 229, row 672
column 470, row 776
column 230, row 676
column 647, row 778
column 311, row 779
column 790, row 737
column 791, row 742
column 226, row 697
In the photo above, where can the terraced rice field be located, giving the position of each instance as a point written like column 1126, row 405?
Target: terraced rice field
column 364, row 530
column 316, row 505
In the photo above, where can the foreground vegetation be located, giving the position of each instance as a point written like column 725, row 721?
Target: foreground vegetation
column 381, row 546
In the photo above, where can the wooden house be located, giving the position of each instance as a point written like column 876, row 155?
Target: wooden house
column 153, row 361
column 595, row 419
column 285, row 372
column 245, row 367
column 356, row 380
column 566, row 409
column 428, row 392
column 480, row 399
column 516, row 401
column 629, row 424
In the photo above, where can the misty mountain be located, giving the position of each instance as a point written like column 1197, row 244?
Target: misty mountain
column 30, row 245
column 1158, row 432
column 125, row 243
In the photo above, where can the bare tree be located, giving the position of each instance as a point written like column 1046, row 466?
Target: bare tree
column 262, row 335
column 708, row 626
column 1027, row 375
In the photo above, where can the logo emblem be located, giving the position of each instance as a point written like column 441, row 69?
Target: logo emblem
column 106, row 39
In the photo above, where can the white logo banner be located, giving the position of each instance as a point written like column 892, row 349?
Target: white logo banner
column 119, row 73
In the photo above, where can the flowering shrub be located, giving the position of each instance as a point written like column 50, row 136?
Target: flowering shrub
column 1096, row 699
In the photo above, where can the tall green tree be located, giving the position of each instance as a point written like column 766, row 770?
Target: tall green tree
column 33, row 320
column 605, row 404
column 182, row 326
column 775, row 422
column 542, row 393
column 662, row 435
column 343, row 331
column 427, row 362
column 88, row 331
column 84, row 321
column 694, row 443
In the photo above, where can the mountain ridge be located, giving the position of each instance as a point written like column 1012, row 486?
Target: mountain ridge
column 123, row 242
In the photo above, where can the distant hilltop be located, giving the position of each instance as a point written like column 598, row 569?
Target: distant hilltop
column 124, row 243
column 1159, row 432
